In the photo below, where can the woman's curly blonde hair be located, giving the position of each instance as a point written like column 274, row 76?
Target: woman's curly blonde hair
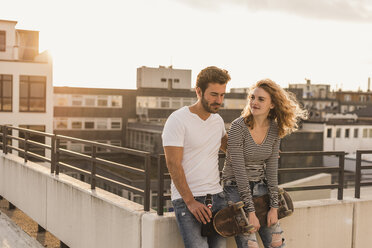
column 286, row 112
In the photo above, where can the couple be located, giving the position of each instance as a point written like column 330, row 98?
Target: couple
column 192, row 138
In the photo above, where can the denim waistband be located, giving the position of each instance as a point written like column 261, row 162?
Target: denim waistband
column 229, row 182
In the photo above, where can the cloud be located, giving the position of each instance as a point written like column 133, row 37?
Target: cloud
column 346, row 10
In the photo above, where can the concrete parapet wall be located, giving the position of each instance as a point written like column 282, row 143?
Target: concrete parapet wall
column 80, row 217
column 320, row 223
column 362, row 223
column 68, row 208
column 319, row 179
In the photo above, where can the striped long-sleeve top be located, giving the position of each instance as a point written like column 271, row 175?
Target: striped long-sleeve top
column 247, row 161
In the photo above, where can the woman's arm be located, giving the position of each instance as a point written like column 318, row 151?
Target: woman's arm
column 272, row 174
column 235, row 149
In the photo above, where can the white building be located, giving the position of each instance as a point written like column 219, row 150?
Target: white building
column 26, row 89
column 313, row 90
column 163, row 78
column 345, row 135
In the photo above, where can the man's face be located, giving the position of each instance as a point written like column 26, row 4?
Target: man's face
column 213, row 97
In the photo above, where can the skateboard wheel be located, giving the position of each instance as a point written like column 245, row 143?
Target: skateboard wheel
column 239, row 205
column 248, row 229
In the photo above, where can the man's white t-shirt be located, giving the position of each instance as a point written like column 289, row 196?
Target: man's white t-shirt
column 201, row 141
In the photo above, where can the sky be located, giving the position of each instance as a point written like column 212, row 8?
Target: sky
column 101, row 43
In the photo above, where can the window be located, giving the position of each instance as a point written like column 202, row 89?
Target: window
column 63, row 144
column 90, row 101
column 6, row 93
column 61, row 124
column 329, row 133
column 347, row 98
column 101, row 124
column 76, row 147
column 2, row 41
column 176, row 80
column 370, row 132
column 365, row 132
column 89, row 125
column 87, row 148
column 356, row 131
column 362, row 98
column 32, row 93
column 164, row 102
column 62, row 101
column 115, row 124
column 163, row 80
column 102, row 101
column 77, row 100
column 76, row 124
column 116, row 101
column 338, row 132
column 347, row 132
column 176, row 103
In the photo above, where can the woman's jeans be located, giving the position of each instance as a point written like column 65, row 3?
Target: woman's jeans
column 190, row 228
column 266, row 233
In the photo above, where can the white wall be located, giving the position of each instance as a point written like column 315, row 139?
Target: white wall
column 351, row 144
column 17, row 118
column 68, row 208
column 83, row 218
column 9, row 28
column 151, row 77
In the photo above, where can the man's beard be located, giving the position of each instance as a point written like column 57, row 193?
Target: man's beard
column 209, row 108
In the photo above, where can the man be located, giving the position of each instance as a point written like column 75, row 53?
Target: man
column 192, row 137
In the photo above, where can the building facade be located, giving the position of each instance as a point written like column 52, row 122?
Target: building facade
column 163, row 78
column 26, row 88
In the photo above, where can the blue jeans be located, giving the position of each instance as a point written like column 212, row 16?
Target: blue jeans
column 190, row 228
column 266, row 233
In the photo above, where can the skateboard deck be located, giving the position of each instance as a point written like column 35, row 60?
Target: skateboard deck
column 231, row 221
column 262, row 206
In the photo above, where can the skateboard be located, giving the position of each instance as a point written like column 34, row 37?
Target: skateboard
column 285, row 204
column 232, row 220
column 262, row 206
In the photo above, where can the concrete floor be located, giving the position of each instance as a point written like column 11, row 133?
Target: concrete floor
column 12, row 236
column 17, row 230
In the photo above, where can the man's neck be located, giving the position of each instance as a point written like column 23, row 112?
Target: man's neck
column 198, row 109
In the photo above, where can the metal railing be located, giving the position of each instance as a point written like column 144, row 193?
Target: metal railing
column 339, row 169
column 358, row 171
column 56, row 151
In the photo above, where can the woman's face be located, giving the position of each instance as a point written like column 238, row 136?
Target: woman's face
column 260, row 102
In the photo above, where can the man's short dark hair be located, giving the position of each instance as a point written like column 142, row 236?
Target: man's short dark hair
column 211, row 74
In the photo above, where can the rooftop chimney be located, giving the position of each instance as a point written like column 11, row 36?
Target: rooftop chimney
column 369, row 85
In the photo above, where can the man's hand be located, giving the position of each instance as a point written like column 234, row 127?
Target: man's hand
column 201, row 212
column 253, row 220
column 272, row 217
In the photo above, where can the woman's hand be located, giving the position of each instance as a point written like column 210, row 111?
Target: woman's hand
column 272, row 217
column 253, row 220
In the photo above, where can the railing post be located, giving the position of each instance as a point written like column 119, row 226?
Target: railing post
column 147, row 183
column 57, row 156
column 5, row 142
column 340, row 193
column 358, row 174
column 160, row 202
column 93, row 171
column 27, row 136
column 53, row 153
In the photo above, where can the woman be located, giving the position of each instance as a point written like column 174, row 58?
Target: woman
column 252, row 156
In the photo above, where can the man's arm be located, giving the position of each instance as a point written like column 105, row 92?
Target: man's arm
column 174, row 155
column 224, row 143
